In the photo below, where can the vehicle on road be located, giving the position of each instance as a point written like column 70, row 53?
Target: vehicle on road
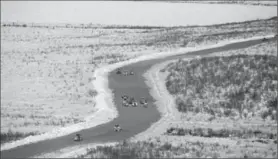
column 77, row 137
column 264, row 39
column 133, row 102
column 119, row 71
column 125, row 97
column 124, row 72
column 129, row 101
column 144, row 102
column 117, row 128
column 131, row 73
column 125, row 104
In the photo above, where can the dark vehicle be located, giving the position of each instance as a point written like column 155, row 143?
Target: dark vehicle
column 125, row 97
column 124, row 72
column 117, row 128
column 125, row 104
column 264, row 39
column 132, row 102
column 118, row 71
column 143, row 102
column 129, row 101
column 78, row 137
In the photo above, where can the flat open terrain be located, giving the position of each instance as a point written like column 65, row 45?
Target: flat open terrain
column 47, row 72
column 133, row 120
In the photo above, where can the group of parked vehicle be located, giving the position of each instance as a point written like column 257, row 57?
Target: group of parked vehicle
column 127, row 102
column 131, row 102
column 124, row 72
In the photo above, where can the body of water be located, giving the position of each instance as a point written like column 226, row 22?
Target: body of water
column 131, row 13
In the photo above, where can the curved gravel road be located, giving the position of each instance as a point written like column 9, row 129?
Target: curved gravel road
column 133, row 120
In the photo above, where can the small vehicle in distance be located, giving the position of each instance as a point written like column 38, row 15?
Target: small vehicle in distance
column 131, row 73
column 117, row 128
column 125, row 73
column 264, row 39
column 132, row 102
column 143, row 102
column 78, row 137
column 125, row 97
column 118, row 71
column 125, row 104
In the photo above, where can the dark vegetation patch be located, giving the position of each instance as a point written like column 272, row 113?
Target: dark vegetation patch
column 226, row 86
column 12, row 136
column 109, row 58
column 222, row 133
column 145, row 149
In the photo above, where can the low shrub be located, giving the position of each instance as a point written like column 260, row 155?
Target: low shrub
column 12, row 136
column 233, row 83
column 145, row 150
column 222, row 133
column 92, row 93
column 166, row 146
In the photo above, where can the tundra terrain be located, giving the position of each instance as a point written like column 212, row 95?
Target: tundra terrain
column 46, row 80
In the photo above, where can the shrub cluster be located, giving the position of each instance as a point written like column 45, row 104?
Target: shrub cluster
column 143, row 149
column 12, row 136
column 226, row 86
column 208, row 132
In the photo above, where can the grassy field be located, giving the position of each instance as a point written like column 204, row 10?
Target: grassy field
column 46, row 78
column 46, row 71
